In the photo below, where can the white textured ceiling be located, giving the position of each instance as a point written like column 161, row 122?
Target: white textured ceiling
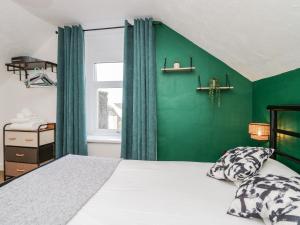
column 258, row 38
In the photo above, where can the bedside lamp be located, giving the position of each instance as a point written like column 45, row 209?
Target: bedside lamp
column 259, row 131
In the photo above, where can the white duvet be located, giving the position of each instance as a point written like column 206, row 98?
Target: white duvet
column 165, row 193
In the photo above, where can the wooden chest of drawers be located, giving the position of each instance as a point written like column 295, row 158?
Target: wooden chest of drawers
column 27, row 150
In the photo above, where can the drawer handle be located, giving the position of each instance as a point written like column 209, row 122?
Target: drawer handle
column 12, row 139
column 20, row 170
column 19, row 155
column 28, row 140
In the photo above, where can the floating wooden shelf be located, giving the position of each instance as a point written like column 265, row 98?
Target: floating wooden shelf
column 207, row 88
column 190, row 68
column 183, row 69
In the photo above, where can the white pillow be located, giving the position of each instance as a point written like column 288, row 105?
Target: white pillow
column 272, row 166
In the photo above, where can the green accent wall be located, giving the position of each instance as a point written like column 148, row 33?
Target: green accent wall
column 279, row 90
column 190, row 127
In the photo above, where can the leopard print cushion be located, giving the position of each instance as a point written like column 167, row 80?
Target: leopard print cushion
column 240, row 163
column 275, row 199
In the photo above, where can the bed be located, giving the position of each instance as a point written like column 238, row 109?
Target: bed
column 165, row 193
column 114, row 192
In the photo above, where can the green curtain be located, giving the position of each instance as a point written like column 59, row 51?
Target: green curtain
column 70, row 117
column 139, row 123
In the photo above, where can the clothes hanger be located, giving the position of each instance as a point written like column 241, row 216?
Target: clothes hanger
column 39, row 79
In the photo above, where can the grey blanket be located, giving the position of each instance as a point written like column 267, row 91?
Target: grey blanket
column 52, row 195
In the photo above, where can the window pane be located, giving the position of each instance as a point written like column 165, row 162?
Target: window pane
column 109, row 71
column 109, row 108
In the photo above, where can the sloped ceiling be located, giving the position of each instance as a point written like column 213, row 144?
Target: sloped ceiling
column 258, row 38
column 21, row 32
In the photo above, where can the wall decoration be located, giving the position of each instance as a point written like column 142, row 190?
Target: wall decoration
column 214, row 91
column 214, row 88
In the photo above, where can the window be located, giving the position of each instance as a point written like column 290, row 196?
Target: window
column 109, row 79
column 104, row 98
column 104, row 83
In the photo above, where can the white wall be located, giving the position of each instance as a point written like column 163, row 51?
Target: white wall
column 25, row 34
column 112, row 150
column 14, row 96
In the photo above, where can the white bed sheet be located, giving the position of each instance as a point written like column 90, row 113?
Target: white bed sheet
column 165, row 193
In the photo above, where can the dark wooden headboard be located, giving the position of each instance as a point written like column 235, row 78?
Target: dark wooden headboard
column 274, row 130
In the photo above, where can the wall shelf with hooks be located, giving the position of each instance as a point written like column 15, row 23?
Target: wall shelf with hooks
column 221, row 88
column 23, row 64
column 214, row 88
column 39, row 78
column 207, row 88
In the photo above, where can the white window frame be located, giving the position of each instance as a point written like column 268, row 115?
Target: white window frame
column 100, row 47
column 92, row 86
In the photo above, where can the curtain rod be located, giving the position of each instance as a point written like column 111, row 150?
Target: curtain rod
column 102, row 28
column 111, row 28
